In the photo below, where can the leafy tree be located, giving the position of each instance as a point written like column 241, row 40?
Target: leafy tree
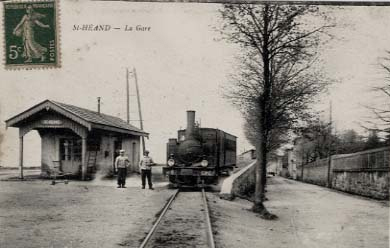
column 276, row 81
column 317, row 140
column 386, row 141
column 373, row 140
column 350, row 142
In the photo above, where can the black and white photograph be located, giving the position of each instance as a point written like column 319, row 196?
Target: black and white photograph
column 218, row 124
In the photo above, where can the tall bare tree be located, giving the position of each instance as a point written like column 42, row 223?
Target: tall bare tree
column 381, row 120
column 1, row 140
column 275, row 140
column 274, row 84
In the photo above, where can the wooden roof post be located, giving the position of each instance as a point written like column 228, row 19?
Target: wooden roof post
column 83, row 158
column 20, row 156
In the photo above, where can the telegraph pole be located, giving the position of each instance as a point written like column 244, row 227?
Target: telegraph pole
column 139, row 108
column 329, row 181
column 127, row 96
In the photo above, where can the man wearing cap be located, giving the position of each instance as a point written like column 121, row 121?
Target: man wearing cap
column 121, row 164
column 145, row 166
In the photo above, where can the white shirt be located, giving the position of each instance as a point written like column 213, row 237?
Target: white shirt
column 146, row 163
column 121, row 162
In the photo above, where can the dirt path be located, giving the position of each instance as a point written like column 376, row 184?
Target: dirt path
column 309, row 216
column 36, row 214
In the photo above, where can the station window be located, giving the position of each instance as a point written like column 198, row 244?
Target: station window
column 70, row 149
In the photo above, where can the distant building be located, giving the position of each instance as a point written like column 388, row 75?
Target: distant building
column 289, row 166
column 247, row 155
column 77, row 140
column 274, row 165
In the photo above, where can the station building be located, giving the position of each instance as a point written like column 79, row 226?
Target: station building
column 77, row 141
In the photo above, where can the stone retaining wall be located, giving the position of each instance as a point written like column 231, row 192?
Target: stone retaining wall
column 365, row 173
column 373, row 184
column 315, row 173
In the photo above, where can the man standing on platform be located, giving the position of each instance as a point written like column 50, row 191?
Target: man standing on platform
column 121, row 164
column 145, row 166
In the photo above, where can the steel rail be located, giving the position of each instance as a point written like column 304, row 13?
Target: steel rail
column 210, row 235
column 154, row 227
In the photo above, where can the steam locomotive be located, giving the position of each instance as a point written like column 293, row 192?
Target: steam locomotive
column 199, row 155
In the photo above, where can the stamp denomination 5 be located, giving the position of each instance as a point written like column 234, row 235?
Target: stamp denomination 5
column 31, row 39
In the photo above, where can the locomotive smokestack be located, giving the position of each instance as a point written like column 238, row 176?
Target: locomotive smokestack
column 190, row 124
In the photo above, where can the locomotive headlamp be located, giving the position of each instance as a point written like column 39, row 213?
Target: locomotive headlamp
column 204, row 163
column 171, row 162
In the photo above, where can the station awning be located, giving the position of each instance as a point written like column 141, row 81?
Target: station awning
column 85, row 117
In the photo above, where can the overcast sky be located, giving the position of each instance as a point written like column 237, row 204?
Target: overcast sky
column 181, row 64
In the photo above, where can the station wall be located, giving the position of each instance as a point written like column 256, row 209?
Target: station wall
column 49, row 153
column 105, row 155
column 131, row 145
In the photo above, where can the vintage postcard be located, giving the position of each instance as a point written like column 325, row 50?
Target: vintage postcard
column 31, row 34
column 194, row 124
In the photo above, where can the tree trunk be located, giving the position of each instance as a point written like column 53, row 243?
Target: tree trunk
column 261, row 149
column 258, row 206
column 259, row 187
column 264, row 171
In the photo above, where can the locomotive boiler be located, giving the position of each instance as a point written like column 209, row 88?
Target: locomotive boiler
column 199, row 155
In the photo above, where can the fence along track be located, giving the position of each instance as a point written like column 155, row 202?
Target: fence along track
column 209, row 232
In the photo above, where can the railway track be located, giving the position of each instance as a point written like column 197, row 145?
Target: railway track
column 183, row 222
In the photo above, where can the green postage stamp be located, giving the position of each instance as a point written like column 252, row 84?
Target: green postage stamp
column 31, row 34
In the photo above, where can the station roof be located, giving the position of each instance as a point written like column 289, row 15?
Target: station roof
column 88, row 118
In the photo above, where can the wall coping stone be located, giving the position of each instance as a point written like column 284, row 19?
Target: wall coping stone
column 227, row 185
column 337, row 156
